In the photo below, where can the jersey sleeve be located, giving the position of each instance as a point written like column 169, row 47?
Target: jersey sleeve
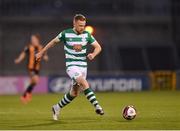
column 91, row 39
column 61, row 36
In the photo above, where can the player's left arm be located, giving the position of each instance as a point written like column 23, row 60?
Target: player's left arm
column 22, row 56
column 97, row 50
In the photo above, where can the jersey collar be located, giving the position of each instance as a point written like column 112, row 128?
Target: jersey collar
column 76, row 32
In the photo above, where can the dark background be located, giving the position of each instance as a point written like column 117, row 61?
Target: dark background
column 136, row 35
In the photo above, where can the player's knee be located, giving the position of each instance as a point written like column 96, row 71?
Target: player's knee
column 82, row 82
column 74, row 93
column 35, row 80
column 85, row 83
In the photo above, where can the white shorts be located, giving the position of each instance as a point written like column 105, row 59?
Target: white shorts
column 74, row 72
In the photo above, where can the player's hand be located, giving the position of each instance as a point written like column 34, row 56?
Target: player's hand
column 46, row 58
column 90, row 56
column 39, row 55
column 16, row 61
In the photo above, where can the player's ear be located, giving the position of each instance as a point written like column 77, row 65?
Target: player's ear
column 73, row 22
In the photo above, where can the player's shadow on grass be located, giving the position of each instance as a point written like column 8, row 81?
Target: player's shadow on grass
column 74, row 120
column 49, row 122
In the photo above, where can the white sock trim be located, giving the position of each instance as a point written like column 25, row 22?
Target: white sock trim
column 95, row 102
column 60, row 104
column 90, row 93
column 92, row 98
column 64, row 101
column 66, row 98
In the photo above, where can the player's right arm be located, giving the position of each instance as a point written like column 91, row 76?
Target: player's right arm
column 21, row 56
column 51, row 44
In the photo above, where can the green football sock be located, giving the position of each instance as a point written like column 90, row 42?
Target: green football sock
column 65, row 100
column 91, row 96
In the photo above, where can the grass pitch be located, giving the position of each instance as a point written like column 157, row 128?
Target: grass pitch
column 156, row 110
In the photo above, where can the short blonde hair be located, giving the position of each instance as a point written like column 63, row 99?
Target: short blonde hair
column 79, row 17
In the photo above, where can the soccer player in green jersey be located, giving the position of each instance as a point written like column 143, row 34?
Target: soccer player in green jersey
column 75, row 45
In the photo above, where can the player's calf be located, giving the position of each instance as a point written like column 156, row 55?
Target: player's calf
column 90, row 95
column 92, row 98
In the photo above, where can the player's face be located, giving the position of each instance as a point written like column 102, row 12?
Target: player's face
column 79, row 26
column 34, row 40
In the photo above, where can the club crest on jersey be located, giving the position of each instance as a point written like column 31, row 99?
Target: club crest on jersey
column 77, row 47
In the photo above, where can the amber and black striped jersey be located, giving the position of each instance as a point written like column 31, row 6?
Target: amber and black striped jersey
column 30, row 51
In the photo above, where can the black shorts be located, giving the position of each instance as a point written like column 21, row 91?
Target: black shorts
column 33, row 72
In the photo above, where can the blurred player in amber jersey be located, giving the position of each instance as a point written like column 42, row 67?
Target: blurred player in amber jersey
column 33, row 66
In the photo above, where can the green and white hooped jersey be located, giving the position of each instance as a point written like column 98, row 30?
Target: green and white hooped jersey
column 69, row 37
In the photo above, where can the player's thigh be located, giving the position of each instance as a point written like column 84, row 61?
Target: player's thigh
column 74, row 72
column 82, row 82
column 78, row 75
column 84, row 72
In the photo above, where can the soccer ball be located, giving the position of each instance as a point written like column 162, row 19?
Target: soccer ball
column 129, row 112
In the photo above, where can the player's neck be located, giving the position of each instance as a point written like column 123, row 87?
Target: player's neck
column 76, row 31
